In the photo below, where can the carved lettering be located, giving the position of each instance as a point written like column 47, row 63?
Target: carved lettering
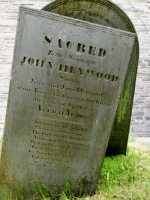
column 66, row 113
column 71, row 57
column 92, row 50
column 65, row 96
column 23, row 60
column 48, row 40
column 102, row 52
column 78, row 71
column 49, row 138
column 70, row 69
column 82, row 48
column 36, row 62
column 63, row 87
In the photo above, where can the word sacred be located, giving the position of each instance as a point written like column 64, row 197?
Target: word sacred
column 81, row 48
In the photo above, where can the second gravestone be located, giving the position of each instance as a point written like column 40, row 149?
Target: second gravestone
column 67, row 77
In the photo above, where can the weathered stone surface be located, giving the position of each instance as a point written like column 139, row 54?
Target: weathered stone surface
column 108, row 14
column 140, row 123
column 62, row 100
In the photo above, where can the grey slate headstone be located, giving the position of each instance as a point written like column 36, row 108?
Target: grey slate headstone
column 108, row 14
column 67, row 77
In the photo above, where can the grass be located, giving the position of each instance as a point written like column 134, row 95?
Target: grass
column 131, row 138
column 126, row 177
column 121, row 178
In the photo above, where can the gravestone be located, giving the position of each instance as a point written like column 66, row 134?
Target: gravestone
column 67, row 77
column 108, row 14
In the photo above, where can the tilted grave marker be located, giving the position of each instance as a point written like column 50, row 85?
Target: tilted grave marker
column 108, row 14
column 67, row 77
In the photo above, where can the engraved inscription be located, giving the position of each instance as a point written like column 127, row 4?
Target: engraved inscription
column 48, row 40
column 36, row 62
column 68, row 96
column 65, row 87
column 69, row 69
column 70, row 57
column 65, row 113
column 82, row 48
column 52, row 141
column 79, row 71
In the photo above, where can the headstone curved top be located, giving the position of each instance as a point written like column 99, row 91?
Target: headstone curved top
column 108, row 14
